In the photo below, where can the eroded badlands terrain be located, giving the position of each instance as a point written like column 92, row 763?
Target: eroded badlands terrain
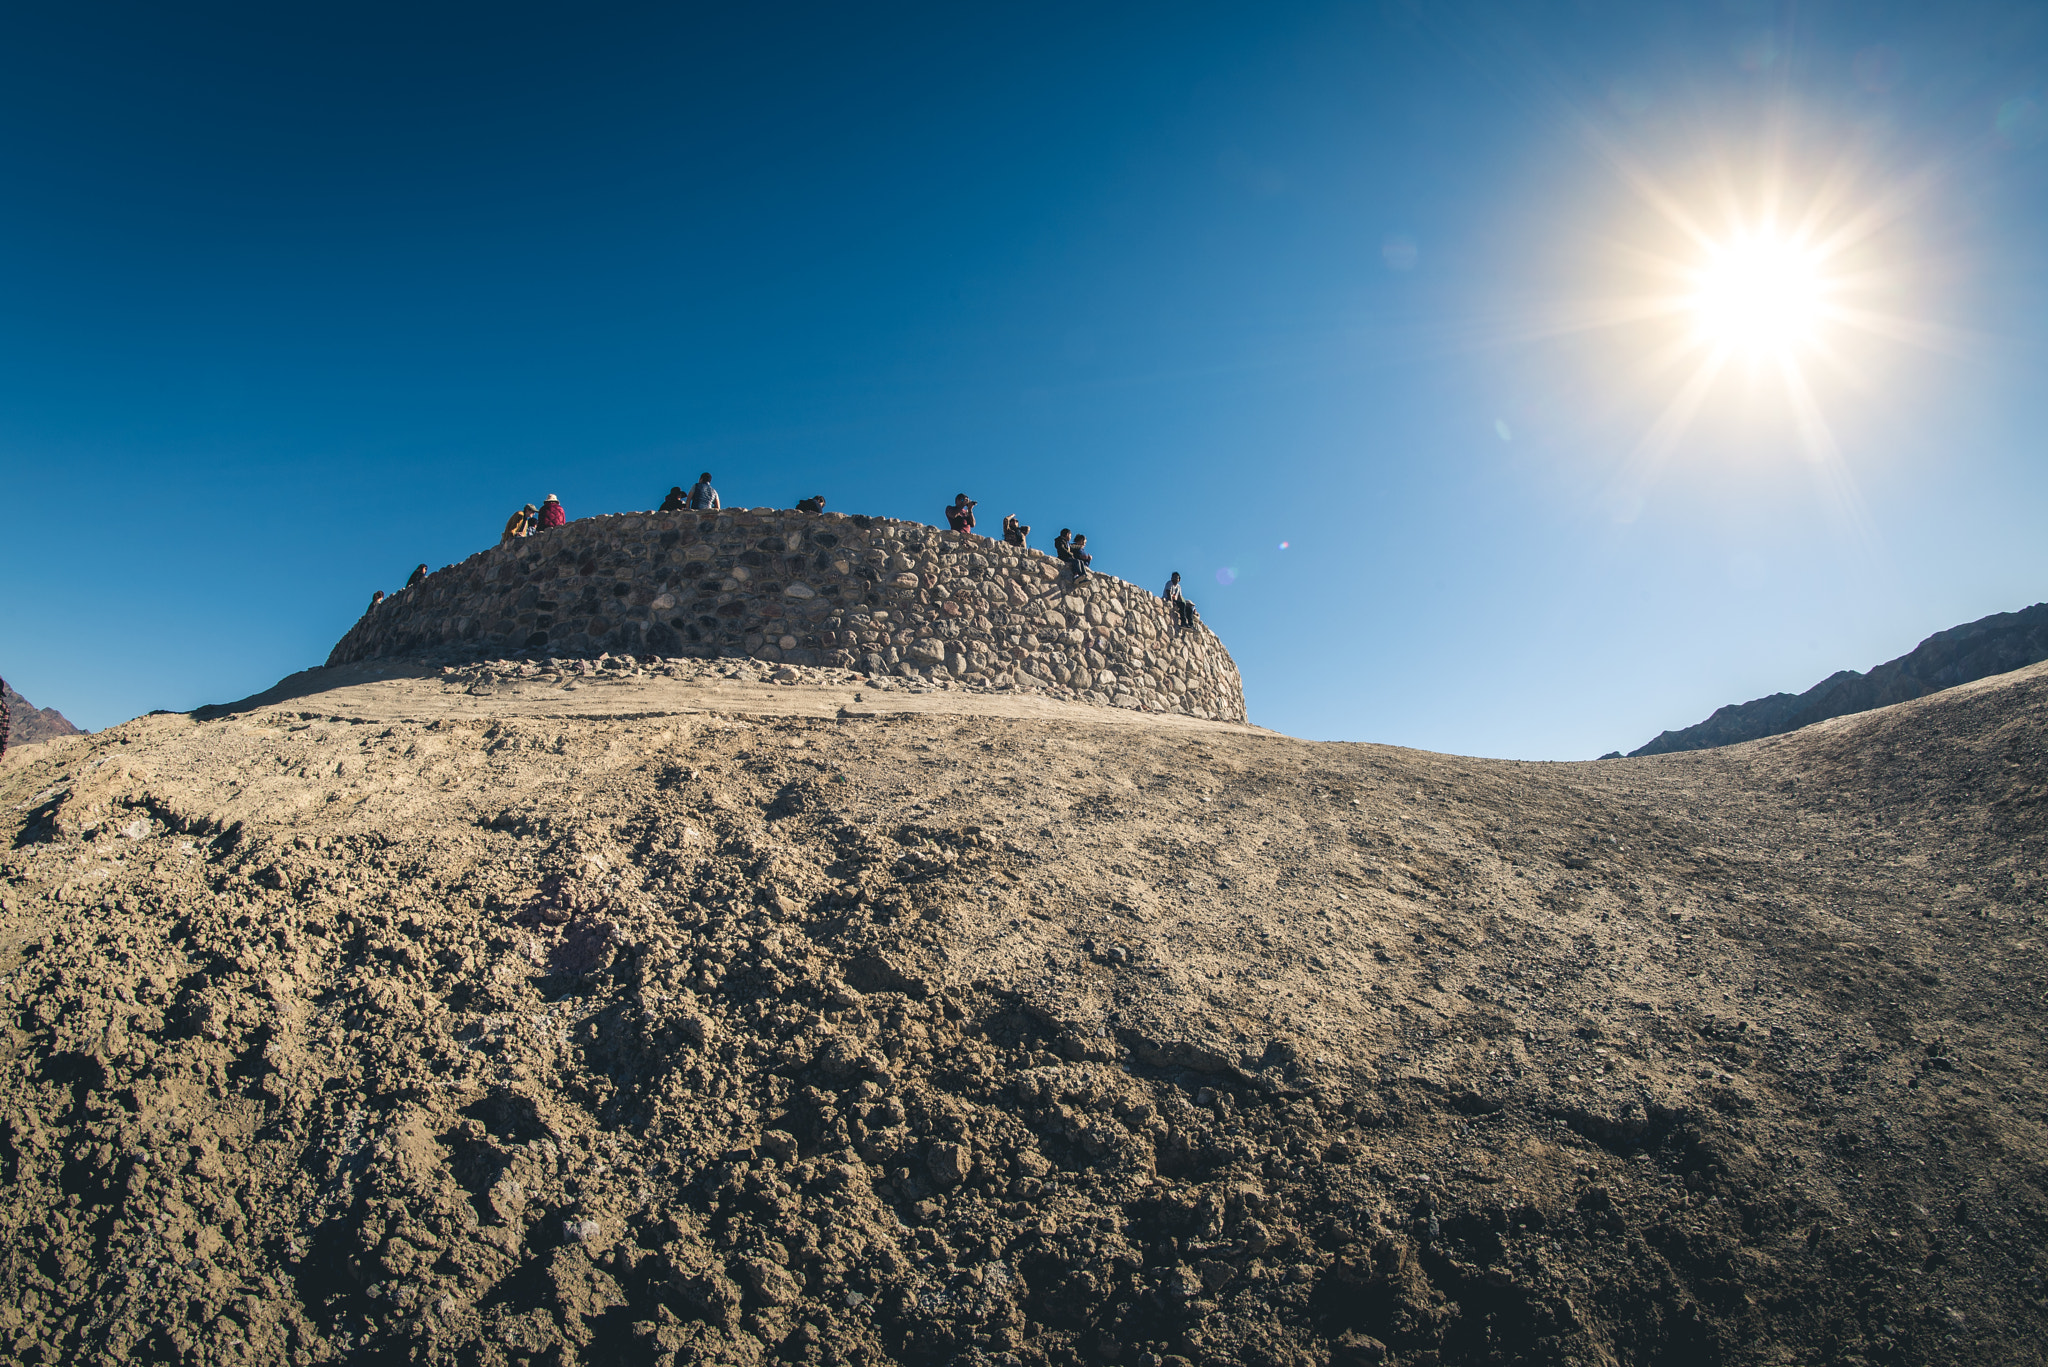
column 399, row 1018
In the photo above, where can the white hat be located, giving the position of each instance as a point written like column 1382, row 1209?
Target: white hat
column 550, row 499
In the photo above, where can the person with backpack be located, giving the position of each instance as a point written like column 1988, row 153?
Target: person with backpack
column 703, row 497
column 1180, row 601
column 551, row 514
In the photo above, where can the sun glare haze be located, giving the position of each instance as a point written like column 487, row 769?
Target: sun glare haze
column 1754, row 292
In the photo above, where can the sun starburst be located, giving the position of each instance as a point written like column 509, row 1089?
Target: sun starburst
column 1774, row 277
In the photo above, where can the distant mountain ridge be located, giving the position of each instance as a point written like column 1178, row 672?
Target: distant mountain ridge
column 27, row 723
column 1975, row 650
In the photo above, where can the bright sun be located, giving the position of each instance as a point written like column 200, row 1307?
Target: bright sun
column 1758, row 296
column 1752, row 295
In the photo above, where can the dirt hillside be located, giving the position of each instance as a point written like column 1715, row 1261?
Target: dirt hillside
column 396, row 1016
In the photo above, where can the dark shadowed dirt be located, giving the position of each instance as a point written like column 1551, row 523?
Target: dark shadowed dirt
column 402, row 1021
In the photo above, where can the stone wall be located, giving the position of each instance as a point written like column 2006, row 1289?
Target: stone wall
column 821, row 589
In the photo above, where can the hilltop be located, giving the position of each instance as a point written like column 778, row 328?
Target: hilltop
column 28, row 724
column 402, row 1015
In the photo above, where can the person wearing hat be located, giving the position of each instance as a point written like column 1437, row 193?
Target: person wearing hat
column 551, row 514
column 960, row 517
column 518, row 525
column 676, row 501
column 703, row 497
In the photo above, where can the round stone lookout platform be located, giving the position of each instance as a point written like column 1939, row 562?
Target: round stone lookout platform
column 819, row 589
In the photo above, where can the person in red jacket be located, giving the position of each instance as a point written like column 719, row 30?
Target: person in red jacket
column 551, row 514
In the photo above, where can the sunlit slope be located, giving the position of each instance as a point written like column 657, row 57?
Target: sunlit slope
column 868, row 1036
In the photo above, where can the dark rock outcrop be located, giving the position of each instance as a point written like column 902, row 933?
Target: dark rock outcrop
column 1976, row 650
column 26, row 723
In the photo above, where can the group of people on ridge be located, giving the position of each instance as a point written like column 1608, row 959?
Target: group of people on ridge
column 1072, row 550
column 701, row 498
column 529, row 519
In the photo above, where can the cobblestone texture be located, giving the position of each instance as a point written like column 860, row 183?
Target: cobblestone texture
column 817, row 590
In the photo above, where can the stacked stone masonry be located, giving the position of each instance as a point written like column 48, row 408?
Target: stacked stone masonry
column 817, row 589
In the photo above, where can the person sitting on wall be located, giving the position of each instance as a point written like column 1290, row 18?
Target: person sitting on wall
column 960, row 515
column 1079, row 558
column 1014, row 531
column 1180, row 601
column 1063, row 547
column 703, row 497
column 676, row 501
column 551, row 514
column 518, row 525
column 814, row 504
column 417, row 575
column 375, row 599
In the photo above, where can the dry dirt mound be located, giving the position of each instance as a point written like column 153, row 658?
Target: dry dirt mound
column 392, row 1023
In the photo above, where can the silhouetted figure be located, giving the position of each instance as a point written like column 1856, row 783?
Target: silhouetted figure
column 1014, row 531
column 703, row 497
column 417, row 576
column 1078, row 557
column 676, row 501
column 375, row 599
column 551, row 514
column 519, row 524
column 814, row 504
column 1180, row 601
column 6, row 721
column 1063, row 547
column 960, row 513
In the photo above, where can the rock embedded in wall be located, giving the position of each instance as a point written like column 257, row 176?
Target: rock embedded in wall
column 811, row 589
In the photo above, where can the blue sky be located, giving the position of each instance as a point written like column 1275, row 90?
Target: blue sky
column 293, row 298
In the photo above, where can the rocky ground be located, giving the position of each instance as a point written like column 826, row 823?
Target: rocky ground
column 401, row 1017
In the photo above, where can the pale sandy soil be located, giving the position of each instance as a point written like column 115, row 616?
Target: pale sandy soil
column 408, row 692
column 382, row 1019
